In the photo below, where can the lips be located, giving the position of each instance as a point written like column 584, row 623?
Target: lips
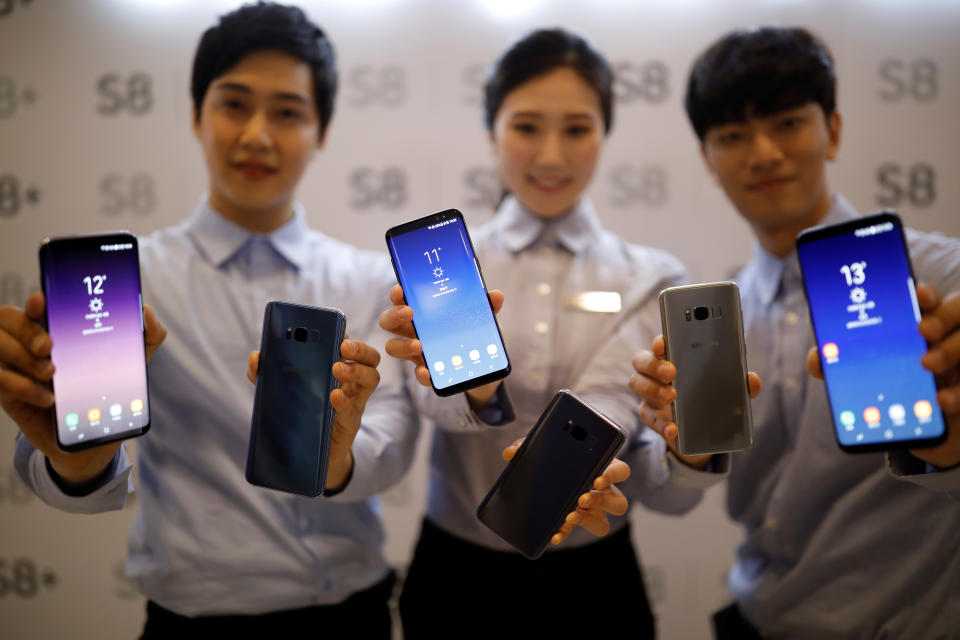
column 768, row 185
column 548, row 184
column 254, row 170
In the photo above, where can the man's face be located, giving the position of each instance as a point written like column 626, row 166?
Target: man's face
column 258, row 127
column 773, row 169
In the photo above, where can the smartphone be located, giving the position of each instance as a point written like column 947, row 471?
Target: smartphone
column 863, row 307
column 94, row 314
column 569, row 446
column 703, row 337
column 452, row 316
column 292, row 423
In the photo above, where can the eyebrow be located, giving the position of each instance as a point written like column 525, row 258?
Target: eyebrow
column 279, row 95
column 566, row 116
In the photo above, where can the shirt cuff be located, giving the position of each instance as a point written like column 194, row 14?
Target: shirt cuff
column 904, row 466
column 686, row 477
column 109, row 495
column 499, row 410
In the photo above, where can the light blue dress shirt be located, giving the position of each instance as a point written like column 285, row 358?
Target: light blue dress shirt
column 205, row 541
column 836, row 545
column 553, row 342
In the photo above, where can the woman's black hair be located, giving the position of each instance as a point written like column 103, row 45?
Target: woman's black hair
column 266, row 26
column 542, row 51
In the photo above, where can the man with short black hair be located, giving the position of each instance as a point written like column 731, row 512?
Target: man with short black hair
column 836, row 545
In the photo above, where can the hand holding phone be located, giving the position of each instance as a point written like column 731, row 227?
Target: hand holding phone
column 293, row 416
column 95, row 319
column 569, row 446
column 865, row 314
column 452, row 316
column 703, row 338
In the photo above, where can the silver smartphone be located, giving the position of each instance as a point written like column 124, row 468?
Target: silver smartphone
column 703, row 336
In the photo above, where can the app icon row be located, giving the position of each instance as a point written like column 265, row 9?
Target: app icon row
column 474, row 355
column 72, row 419
column 922, row 409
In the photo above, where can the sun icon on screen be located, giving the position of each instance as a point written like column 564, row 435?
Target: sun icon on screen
column 437, row 272
column 96, row 304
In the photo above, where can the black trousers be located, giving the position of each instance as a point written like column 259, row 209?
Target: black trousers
column 365, row 614
column 593, row 590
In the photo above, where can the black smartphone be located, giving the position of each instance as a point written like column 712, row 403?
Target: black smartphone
column 452, row 316
column 703, row 337
column 569, row 446
column 292, row 422
column 864, row 311
column 94, row 314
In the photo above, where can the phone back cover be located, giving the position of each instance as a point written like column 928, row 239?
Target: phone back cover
column 712, row 410
column 292, row 415
column 540, row 486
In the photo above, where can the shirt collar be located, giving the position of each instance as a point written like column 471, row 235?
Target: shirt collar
column 769, row 269
column 575, row 231
column 220, row 239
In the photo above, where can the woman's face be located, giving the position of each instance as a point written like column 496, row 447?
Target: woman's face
column 546, row 138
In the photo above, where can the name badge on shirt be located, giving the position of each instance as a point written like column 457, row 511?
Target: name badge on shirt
column 594, row 301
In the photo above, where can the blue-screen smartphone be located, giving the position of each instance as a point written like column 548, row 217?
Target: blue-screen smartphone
column 292, row 425
column 863, row 307
column 452, row 316
column 94, row 315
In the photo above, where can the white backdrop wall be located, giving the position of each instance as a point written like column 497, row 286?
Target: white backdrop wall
column 95, row 134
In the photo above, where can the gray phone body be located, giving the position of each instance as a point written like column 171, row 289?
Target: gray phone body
column 703, row 338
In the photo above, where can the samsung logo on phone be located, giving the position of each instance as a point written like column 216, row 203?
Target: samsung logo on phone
column 700, row 345
column 116, row 247
column 442, row 224
column 873, row 230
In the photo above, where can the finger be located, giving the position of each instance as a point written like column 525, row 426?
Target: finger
column 23, row 389
column 356, row 379
column 405, row 349
column 512, row 449
column 927, row 297
column 26, row 331
column 813, row 364
column 423, row 375
column 653, row 366
column 154, row 333
column 359, row 352
column 35, row 306
column 594, row 521
column 610, row 501
column 253, row 366
column 396, row 295
column 15, row 355
column 496, row 299
column 399, row 321
column 942, row 318
column 562, row 534
column 660, row 421
column 617, row 471
column 949, row 400
column 945, row 351
column 659, row 347
column 756, row 385
column 652, row 392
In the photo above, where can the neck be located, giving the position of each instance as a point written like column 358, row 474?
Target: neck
column 781, row 240
column 259, row 220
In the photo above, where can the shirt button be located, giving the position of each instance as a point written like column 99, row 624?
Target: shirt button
column 541, row 327
column 770, row 522
column 791, row 318
column 791, row 383
column 536, row 377
column 543, row 289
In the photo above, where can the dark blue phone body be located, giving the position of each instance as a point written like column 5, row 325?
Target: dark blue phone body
column 569, row 446
column 864, row 311
column 292, row 416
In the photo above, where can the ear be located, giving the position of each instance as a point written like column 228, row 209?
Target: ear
column 707, row 162
column 834, row 130
column 194, row 121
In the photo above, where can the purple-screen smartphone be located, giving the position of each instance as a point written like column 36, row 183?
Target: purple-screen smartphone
column 94, row 314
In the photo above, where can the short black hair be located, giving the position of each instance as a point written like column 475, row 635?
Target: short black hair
column 542, row 51
column 266, row 26
column 763, row 69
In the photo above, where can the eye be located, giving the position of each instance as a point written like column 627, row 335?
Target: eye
column 577, row 130
column 526, row 128
column 290, row 114
column 729, row 137
column 232, row 104
column 790, row 122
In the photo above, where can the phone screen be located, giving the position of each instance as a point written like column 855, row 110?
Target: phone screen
column 441, row 281
column 94, row 317
column 863, row 306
